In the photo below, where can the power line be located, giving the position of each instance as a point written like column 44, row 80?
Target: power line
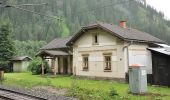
column 28, row 4
column 54, row 17
column 23, row 9
column 31, row 4
column 36, row 12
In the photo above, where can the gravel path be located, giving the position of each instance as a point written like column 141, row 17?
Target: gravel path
column 50, row 89
column 37, row 93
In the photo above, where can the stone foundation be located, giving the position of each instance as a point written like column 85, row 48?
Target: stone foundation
column 101, row 78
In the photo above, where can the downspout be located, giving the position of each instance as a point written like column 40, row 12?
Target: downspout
column 127, row 53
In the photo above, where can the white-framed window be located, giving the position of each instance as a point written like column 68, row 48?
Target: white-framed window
column 107, row 63
column 85, row 61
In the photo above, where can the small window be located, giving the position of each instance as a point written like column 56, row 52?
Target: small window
column 107, row 63
column 85, row 63
column 95, row 39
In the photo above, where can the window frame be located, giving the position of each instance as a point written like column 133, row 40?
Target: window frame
column 107, row 64
column 85, row 62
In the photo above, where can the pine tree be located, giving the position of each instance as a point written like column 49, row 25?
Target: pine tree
column 7, row 49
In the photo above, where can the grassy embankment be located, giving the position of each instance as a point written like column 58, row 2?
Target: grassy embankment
column 86, row 89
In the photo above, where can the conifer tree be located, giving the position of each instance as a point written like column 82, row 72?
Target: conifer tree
column 7, row 49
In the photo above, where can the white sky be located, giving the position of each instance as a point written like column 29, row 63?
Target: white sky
column 161, row 5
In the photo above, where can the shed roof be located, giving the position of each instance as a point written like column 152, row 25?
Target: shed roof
column 160, row 50
column 20, row 58
column 128, row 34
column 56, row 44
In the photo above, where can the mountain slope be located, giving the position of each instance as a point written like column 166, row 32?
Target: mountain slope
column 77, row 13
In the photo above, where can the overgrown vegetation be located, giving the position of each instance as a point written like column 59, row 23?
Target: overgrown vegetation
column 29, row 48
column 86, row 89
column 90, row 94
column 7, row 49
column 35, row 66
column 113, row 92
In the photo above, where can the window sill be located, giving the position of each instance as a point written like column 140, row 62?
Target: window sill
column 107, row 70
column 95, row 43
column 85, row 70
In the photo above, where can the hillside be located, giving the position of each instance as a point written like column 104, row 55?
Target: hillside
column 77, row 13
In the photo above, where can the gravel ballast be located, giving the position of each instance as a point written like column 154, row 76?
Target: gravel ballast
column 37, row 93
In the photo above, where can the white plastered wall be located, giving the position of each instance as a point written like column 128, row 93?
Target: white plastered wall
column 138, row 54
column 107, row 44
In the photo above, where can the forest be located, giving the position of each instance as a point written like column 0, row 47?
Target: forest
column 31, row 31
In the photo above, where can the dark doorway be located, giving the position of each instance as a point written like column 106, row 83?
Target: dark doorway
column 161, row 69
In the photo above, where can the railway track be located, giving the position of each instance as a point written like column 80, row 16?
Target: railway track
column 6, row 94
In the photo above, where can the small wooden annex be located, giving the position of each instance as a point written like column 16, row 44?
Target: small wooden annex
column 20, row 64
column 161, row 65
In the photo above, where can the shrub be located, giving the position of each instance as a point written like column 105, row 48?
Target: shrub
column 5, row 65
column 84, row 94
column 36, row 64
column 113, row 92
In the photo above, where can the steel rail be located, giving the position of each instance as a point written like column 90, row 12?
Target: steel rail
column 19, row 93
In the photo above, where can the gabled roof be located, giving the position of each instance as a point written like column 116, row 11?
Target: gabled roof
column 56, row 44
column 21, row 58
column 127, row 34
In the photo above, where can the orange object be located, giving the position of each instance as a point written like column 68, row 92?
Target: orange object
column 122, row 24
column 136, row 65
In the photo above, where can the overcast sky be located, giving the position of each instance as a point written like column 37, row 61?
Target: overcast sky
column 161, row 5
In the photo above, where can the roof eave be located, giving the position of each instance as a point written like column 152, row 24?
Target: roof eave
column 41, row 52
column 54, row 48
column 144, row 41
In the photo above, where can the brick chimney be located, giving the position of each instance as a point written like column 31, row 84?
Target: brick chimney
column 122, row 24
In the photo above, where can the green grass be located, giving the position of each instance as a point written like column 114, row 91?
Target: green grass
column 100, row 88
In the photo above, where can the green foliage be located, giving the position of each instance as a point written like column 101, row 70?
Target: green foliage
column 35, row 66
column 7, row 49
column 82, row 93
column 5, row 65
column 66, row 30
column 88, row 89
column 77, row 13
column 30, row 48
column 113, row 92
column 49, row 83
column 86, row 94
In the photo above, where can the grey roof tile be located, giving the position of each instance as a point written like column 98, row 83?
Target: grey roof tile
column 20, row 58
column 128, row 34
column 56, row 44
